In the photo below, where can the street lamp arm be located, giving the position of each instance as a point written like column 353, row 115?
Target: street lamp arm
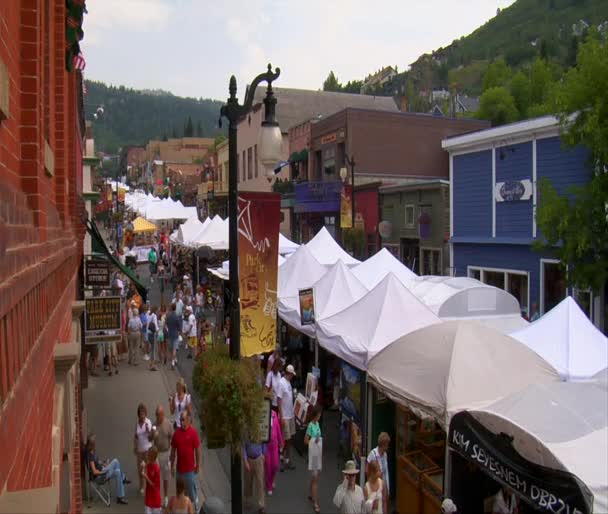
column 232, row 110
column 349, row 160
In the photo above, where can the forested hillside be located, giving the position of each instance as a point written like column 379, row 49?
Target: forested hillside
column 132, row 117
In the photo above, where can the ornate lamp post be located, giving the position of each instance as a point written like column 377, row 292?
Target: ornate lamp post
column 269, row 151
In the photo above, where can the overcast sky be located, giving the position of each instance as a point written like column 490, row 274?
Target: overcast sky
column 191, row 47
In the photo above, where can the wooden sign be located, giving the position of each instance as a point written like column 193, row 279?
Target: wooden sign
column 97, row 273
column 102, row 313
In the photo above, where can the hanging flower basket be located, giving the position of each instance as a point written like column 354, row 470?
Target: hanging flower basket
column 231, row 395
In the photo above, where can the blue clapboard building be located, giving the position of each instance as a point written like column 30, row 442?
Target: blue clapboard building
column 493, row 197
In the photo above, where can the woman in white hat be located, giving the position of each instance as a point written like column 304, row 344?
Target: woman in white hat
column 349, row 497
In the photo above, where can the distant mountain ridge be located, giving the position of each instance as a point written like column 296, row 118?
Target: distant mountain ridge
column 133, row 117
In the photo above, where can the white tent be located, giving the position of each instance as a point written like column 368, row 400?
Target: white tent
column 190, row 228
column 224, row 271
column 455, row 298
column 215, row 235
column 286, row 246
column 454, row 366
column 300, row 271
column 360, row 331
column 371, row 271
column 333, row 292
column 561, row 426
column 327, row 251
column 567, row 340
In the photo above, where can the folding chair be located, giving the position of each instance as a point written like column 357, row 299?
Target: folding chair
column 101, row 486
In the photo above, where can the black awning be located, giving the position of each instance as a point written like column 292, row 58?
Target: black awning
column 546, row 489
column 100, row 245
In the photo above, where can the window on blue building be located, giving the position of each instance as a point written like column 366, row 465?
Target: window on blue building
column 513, row 281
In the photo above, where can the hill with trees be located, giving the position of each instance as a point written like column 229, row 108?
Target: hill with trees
column 131, row 117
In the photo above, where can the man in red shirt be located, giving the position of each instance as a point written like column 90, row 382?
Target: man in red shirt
column 186, row 446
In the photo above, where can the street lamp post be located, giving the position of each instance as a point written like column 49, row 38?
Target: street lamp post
column 269, row 150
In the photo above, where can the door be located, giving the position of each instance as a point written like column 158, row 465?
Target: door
column 410, row 251
column 553, row 285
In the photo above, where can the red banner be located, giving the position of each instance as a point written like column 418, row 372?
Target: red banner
column 259, row 219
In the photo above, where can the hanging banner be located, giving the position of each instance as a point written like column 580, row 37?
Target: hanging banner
column 259, row 218
column 307, row 306
column 545, row 489
column 121, row 195
column 346, row 206
column 109, row 194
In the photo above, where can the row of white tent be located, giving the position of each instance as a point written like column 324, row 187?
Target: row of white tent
column 442, row 345
column 154, row 208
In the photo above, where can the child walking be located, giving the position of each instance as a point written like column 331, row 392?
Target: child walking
column 151, row 474
column 314, row 441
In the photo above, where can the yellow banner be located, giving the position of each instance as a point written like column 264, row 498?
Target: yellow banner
column 121, row 194
column 346, row 207
column 259, row 219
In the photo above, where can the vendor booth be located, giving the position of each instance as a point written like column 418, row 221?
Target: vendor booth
column 286, row 247
column 371, row 271
column 327, row 251
column 548, row 444
column 566, row 339
column 433, row 373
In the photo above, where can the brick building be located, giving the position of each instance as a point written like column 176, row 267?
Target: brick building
column 41, row 246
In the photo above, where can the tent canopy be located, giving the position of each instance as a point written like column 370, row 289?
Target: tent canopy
column 374, row 269
column 141, row 225
column 559, row 425
column 300, row 271
column 286, row 246
column 214, row 235
column 566, row 339
column 363, row 329
column 334, row 291
column 327, row 251
column 456, row 365
column 189, row 228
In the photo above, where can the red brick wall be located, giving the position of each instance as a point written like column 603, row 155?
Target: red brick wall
column 40, row 236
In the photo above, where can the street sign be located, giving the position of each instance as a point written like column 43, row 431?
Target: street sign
column 97, row 273
column 102, row 319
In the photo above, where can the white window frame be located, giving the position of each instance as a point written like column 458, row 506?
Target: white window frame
column 506, row 271
column 542, row 282
column 433, row 249
column 413, row 223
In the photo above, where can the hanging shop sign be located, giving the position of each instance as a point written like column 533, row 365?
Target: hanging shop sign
column 307, row 306
column 265, row 421
column 102, row 319
column 346, row 206
column 97, row 273
column 513, row 190
column 259, row 219
column 546, row 489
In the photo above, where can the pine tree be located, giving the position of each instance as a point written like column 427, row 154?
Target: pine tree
column 199, row 129
column 188, row 128
column 174, row 133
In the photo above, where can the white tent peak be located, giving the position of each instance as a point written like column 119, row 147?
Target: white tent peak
column 371, row 271
column 327, row 251
column 300, row 271
column 336, row 290
column 286, row 245
column 566, row 338
column 363, row 329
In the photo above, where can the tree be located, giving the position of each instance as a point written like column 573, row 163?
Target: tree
column 188, row 128
column 498, row 106
column 520, row 90
column 498, row 74
column 173, row 133
column 353, row 86
column 199, row 130
column 331, row 83
column 575, row 225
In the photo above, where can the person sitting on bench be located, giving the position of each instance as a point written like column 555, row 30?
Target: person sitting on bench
column 105, row 471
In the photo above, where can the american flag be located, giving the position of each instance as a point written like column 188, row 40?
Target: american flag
column 78, row 62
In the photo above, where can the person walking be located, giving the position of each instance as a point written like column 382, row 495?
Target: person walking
column 273, row 449
column 143, row 316
column 253, row 454
column 174, row 325
column 152, row 259
column 314, row 441
column 161, row 336
column 285, row 408
column 133, row 336
column 141, row 440
column 186, row 455
column 162, row 434
column 380, row 455
column 180, row 401
column 349, row 498
column 153, row 330
column 375, row 492
column 273, row 382
column 151, row 475
column 180, row 503
column 190, row 329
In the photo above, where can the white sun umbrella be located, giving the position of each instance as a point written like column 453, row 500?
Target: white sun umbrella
column 371, row 271
column 357, row 333
column 327, row 251
column 566, row 339
column 456, row 365
column 333, row 292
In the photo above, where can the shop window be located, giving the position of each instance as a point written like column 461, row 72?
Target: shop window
column 475, row 273
column 249, row 166
column 430, row 261
column 255, row 159
column 512, row 281
column 329, row 161
column 553, row 285
column 244, row 163
column 410, row 216
column 517, row 285
column 494, row 278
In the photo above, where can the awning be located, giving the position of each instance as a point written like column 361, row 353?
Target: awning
column 100, row 245
column 141, row 225
column 300, row 156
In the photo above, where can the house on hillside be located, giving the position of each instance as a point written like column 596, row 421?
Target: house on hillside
column 379, row 78
column 462, row 105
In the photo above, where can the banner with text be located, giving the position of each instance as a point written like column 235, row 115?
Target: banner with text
column 346, row 207
column 259, row 219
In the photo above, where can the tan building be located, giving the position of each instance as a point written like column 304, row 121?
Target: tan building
column 185, row 149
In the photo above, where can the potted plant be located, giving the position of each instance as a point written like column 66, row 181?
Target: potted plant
column 231, row 397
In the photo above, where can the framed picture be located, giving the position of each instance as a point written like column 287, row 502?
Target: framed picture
column 313, row 398
column 300, row 408
column 307, row 306
column 311, row 385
